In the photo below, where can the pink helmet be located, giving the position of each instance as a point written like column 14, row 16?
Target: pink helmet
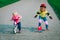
column 42, row 5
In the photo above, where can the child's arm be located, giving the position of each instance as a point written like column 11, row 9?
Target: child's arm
column 36, row 15
column 20, row 17
column 49, row 16
column 11, row 19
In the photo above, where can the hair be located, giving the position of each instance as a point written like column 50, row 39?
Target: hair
column 15, row 13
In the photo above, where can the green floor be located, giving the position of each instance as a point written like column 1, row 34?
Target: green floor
column 56, row 6
column 6, row 2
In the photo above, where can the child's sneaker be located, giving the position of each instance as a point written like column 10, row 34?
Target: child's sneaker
column 14, row 32
column 39, row 28
column 47, row 29
column 19, row 31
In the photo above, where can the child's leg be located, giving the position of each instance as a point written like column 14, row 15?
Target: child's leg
column 46, row 22
column 40, row 21
column 39, row 24
column 19, row 26
column 15, row 27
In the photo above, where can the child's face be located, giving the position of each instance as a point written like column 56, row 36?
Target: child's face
column 42, row 9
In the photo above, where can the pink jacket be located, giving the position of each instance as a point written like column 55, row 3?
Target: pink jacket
column 16, row 18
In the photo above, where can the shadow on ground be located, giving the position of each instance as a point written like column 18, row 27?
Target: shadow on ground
column 8, row 29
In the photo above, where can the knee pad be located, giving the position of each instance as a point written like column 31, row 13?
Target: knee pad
column 46, row 23
column 40, row 21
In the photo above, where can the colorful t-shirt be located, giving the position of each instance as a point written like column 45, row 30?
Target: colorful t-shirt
column 43, row 14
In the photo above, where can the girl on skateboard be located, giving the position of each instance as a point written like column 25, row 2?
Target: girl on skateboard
column 42, row 16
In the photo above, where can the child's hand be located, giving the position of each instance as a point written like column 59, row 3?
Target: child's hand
column 20, row 17
column 50, row 17
column 35, row 16
column 38, row 13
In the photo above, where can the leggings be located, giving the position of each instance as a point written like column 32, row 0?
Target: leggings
column 45, row 21
column 17, row 26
